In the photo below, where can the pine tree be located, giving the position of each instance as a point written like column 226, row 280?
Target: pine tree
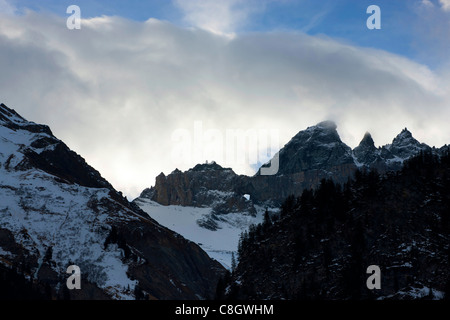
column 267, row 222
column 48, row 254
column 222, row 284
column 289, row 205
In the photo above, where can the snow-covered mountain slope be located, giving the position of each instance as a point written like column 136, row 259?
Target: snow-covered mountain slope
column 220, row 242
column 57, row 211
column 45, row 215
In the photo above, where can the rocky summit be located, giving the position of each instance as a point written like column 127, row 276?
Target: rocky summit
column 310, row 156
column 317, row 147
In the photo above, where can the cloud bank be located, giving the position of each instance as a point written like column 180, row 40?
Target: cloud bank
column 116, row 90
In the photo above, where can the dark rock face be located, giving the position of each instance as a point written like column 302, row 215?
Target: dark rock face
column 315, row 148
column 366, row 152
column 310, row 156
column 404, row 146
column 205, row 185
column 56, row 210
column 388, row 157
column 168, row 266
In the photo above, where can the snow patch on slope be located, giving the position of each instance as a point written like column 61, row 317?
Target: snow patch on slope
column 219, row 244
column 43, row 213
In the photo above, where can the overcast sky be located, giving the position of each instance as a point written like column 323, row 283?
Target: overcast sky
column 120, row 90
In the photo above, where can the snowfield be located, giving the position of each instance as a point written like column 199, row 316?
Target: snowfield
column 220, row 244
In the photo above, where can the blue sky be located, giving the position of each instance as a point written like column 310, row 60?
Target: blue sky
column 412, row 28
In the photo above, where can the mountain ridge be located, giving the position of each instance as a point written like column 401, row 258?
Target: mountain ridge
column 56, row 211
column 312, row 154
column 230, row 203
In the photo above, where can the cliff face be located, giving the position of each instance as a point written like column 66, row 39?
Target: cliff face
column 205, row 185
column 58, row 211
column 313, row 154
column 316, row 148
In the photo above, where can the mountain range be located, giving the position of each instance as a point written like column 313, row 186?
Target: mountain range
column 311, row 155
column 229, row 203
column 179, row 237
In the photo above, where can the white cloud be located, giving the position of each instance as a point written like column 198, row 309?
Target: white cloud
column 445, row 4
column 427, row 3
column 220, row 17
column 116, row 90
column 214, row 16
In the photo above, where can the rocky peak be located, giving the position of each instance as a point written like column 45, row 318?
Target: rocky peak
column 405, row 145
column 366, row 152
column 162, row 175
column 367, row 141
column 27, row 145
column 324, row 131
column 9, row 115
column 311, row 155
column 404, row 138
column 317, row 147
column 208, row 166
column 327, row 124
column 9, row 118
column 204, row 185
